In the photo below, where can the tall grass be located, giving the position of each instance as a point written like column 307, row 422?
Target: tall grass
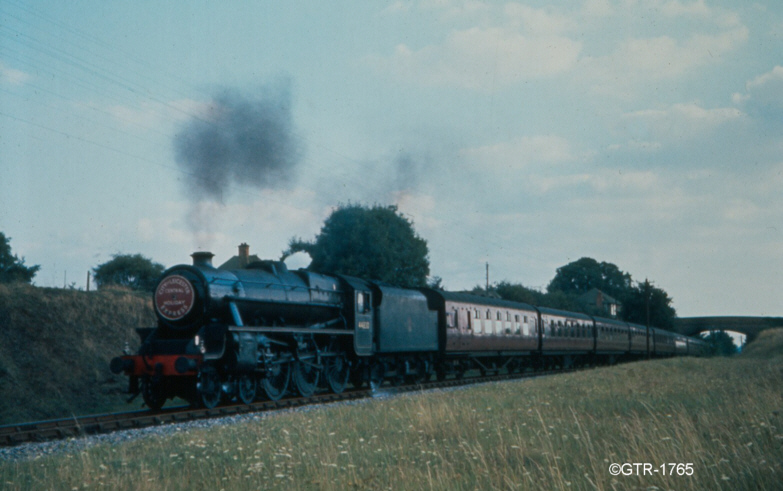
column 56, row 347
column 562, row 432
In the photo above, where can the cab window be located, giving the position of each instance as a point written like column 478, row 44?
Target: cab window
column 360, row 302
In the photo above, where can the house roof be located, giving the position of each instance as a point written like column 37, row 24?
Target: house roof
column 236, row 263
column 591, row 297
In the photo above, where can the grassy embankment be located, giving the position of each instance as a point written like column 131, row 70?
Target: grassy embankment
column 562, row 432
column 56, row 347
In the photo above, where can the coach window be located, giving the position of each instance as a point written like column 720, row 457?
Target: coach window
column 476, row 322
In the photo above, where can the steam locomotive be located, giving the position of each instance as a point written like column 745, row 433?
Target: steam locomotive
column 259, row 330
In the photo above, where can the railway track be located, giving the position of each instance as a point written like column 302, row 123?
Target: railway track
column 60, row 429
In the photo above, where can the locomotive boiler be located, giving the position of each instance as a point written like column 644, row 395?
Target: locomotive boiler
column 232, row 331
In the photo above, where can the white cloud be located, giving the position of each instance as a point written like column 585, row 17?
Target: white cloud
column 523, row 152
column 397, row 8
column 665, row 41
column 597, row 8
column 501, row 45
column 11, row 76
column 482, row 58
column 676, row 123
column 640, row 60
column 538, row 21
column 675, row 8
column 764, row 94
column 455, row 9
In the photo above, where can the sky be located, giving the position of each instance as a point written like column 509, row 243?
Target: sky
column 525, row 135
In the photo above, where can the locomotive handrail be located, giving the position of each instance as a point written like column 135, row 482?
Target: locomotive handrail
column 233, row 298
column 291, row 330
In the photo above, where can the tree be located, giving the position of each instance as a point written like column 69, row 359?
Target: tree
column 641, row 302
column 12, row 268
column 720, row 343
column 585, row 274
column 436, row 283
column 517, row 292
column 134, row 271
column 645, row 303
column 376, row 243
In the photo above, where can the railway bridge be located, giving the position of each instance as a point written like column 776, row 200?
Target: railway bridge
column 750, row 326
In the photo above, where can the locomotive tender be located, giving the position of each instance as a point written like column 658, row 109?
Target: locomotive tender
column 235, row 333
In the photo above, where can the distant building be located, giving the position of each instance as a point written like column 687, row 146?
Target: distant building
column 241, row 260
column 600, row 302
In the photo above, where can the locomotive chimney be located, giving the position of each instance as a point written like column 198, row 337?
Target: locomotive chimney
column 244, row 254
column 202, row 259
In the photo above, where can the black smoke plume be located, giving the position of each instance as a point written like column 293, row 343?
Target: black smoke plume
column 239, row 140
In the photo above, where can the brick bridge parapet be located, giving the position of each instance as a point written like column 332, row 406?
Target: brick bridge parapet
column 750, row 326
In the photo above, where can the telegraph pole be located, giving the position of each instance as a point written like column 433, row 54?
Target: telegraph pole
column 647, row 300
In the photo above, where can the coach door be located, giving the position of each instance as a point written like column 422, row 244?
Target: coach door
column 358, row 313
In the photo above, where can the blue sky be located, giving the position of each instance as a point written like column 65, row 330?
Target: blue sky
column 524, row 134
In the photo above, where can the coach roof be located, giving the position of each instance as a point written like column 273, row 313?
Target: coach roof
column 480, row 300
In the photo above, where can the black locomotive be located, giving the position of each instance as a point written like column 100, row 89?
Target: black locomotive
column 264, row 329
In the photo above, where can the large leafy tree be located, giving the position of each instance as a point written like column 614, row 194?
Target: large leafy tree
column 134, row 271
column 585, row 274
column 12, row 268
column 642, row 302
column 376, row 243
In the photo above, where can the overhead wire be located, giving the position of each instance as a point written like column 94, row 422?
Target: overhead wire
column 85, row 48
column 143, row 91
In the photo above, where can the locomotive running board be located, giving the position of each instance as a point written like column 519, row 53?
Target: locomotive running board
column 291, row 330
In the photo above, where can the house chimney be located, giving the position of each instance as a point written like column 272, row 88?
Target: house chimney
column 202, row 259
column 244, row 254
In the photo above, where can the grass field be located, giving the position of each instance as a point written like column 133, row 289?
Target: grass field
column 723, row 416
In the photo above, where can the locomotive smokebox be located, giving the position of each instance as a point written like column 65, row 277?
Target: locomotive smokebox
column 202, row 259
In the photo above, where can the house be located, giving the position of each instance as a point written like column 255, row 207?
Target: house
column 600, row 303
column 241, row 260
